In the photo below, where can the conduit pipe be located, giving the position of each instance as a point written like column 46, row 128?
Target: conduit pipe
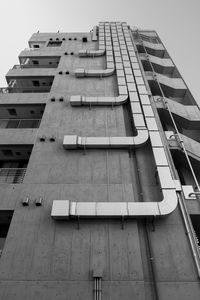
column 65, row 209
column 76, row 142
column 78, row 100
column 91, row 53
column 94, row 73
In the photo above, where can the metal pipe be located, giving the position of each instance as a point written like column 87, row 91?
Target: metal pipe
column 100, row 288
column 190, row 234
column 97, row 288
column 151, row 260
column 95, row 296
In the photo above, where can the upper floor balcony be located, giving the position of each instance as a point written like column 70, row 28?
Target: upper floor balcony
column 146, row 35
column 29, row 70
column 28, row 84
column 163, row 66
column 152, row 48
column 171, row 87
column 13, row 163
column 37, row 62
column 21, row 115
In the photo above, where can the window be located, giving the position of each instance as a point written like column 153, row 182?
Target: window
column 36, row 46
column 5, row 220
column 12, row 111
column 84, row 39
column 36, row 82
column 54, row 44
column 35, row 62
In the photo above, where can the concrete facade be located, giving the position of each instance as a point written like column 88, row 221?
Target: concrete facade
column 149, row 252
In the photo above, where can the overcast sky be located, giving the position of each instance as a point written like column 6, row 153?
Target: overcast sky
column 176, row 21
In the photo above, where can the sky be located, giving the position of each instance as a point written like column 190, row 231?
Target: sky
column 176, row 21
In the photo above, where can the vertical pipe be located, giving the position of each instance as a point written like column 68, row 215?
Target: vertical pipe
column 151, row 260
column 95, row 298
column 100, row 288
column 97, row 288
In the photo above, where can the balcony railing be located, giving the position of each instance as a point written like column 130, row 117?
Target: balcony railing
column 29, row 66
column 19, row 123
column 12, row 175
column 31, row 49
column 34, row 89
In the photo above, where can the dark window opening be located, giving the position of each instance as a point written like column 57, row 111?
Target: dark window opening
column 84, row 39
column 54, row 44
column 35, row 62
column 5, row 220
column 36, row 82
column 12, row 111
column 13, row 169
column 36, row 46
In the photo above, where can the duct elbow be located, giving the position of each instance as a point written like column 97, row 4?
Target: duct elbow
column 141, row 138
column 169, row 202
column 121, row 99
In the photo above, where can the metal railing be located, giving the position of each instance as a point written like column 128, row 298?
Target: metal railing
column 34, row 89
column 35, row 66
column 19, row 123
column 31, row 49
column 12, row 175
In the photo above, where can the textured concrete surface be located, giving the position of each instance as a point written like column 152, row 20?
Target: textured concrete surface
column 44, row 259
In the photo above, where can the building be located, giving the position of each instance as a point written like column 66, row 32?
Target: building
column 100, row 154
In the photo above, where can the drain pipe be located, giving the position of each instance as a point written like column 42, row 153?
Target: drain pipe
column 97, row 288
column 151, row 260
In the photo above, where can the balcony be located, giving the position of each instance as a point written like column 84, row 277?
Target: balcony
column 19, row 72
column 28, row 85
column 172, row 87
column 27, row 89
column 32, row 66
column 38, row 62
column 149, row 36
column 12, row 175
column 21, row 115
column 163, row 66
column 13, row 162
column 19, row 123
column 152, row 49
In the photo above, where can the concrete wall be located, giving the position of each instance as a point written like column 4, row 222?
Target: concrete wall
column 45, row 259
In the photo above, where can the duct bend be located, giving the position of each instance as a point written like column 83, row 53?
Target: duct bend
column 76, row 142
column 94, row 73
column 91, row 53
column 141, row 138
column 65, row 209
column 82, row 100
